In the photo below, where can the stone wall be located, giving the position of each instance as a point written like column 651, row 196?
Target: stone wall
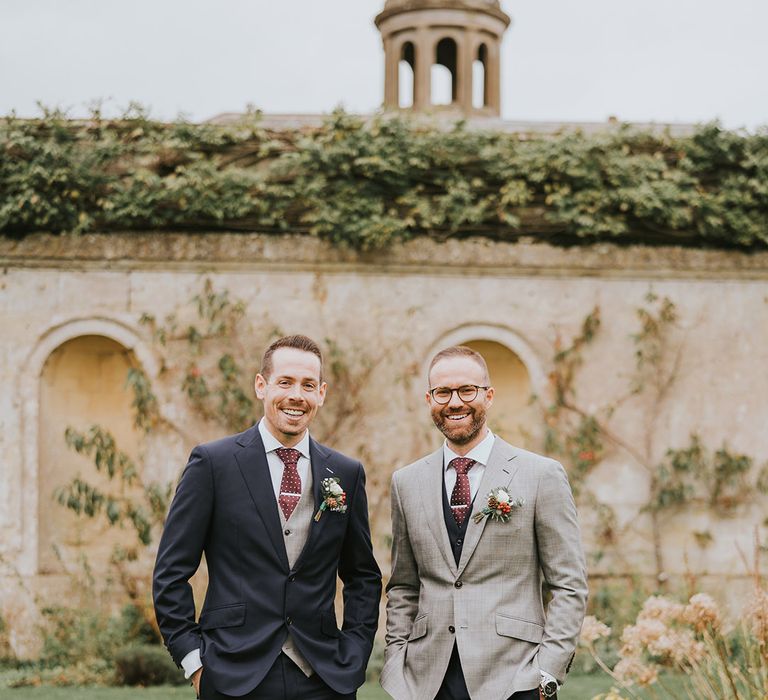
column 392, row 310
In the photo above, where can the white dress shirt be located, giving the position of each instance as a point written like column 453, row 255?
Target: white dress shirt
column 276, row 466
column 191, row 662
column 480, row 453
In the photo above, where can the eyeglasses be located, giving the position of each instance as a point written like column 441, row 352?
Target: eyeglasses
column 466, row 393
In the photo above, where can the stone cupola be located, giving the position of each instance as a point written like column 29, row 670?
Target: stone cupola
column 461, row 36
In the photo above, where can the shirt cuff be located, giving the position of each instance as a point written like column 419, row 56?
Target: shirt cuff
column 545, row 677
column 191, row 662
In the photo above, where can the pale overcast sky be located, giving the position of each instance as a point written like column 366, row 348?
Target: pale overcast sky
column 562, row 60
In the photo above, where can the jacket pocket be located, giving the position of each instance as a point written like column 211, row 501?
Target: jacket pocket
column 519, row 629
column 225, row 616
column 328, row 625
column 419, row 628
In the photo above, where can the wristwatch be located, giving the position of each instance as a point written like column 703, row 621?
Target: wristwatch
column 549, row 688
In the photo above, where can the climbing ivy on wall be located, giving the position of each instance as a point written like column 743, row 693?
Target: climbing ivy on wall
column 721, row 481
column 367, row 184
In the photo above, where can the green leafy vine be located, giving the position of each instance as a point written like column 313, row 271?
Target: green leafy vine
column 370, row 183
column 721, row 480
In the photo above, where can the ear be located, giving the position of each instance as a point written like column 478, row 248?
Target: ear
column 489, row 394
column 428, row 398
column 260, row 387
column 321, row 392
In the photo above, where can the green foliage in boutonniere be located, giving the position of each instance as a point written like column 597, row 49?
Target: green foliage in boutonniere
column 499, row 506
column 334, row 497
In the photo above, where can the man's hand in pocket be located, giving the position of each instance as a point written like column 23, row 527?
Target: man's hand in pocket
column 196, row 680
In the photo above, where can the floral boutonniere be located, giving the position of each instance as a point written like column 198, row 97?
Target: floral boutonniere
column 499, row 506
column 334, row 497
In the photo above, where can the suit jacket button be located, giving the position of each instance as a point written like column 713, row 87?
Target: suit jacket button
column 291, row 578
column 451, row 629
column 288, row 621
column 458, row 584
column 287, row 532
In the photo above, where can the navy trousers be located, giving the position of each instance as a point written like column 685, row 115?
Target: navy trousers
column 284, row 681
column 454, row 686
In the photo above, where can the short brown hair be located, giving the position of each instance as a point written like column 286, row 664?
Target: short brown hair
column 300, row 342
column 460, row 351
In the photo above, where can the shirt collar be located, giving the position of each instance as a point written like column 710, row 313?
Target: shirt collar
column 480, row 453
column 271, row 443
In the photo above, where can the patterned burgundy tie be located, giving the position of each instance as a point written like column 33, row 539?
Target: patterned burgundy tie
column 290, row 484
column 461, row 497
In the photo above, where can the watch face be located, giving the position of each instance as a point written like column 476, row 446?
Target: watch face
column 549, row 688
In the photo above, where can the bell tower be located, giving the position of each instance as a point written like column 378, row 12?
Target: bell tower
column 457, row 41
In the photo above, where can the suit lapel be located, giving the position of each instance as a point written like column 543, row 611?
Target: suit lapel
column 321, row 469
column 431, row 487
column 498, row 472
column 252, row 462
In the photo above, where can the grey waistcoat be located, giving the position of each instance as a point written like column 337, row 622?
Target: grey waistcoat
column 298, row 525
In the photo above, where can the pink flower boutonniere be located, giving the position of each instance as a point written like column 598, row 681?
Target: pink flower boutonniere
column 334, row 497
column 499, row 506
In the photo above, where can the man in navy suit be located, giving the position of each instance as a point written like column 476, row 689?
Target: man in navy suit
column 277, row 516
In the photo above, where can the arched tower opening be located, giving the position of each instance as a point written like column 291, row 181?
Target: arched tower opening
column 443, row 73
column 406, row 70
column 480, row 78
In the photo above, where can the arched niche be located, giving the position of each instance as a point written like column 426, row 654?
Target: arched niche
column 28, row 390
column 510, row 417
column 516, row 375
column 82, row 383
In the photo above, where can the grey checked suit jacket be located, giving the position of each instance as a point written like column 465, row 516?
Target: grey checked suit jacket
column 493, row 598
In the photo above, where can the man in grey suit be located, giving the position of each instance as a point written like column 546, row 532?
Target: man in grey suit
column 465, row 611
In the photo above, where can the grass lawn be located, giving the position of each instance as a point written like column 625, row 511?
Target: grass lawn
column 371, row 691
column 585, row 687
column 578, row 687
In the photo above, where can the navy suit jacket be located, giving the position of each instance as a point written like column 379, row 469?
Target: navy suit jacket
column 225, row 507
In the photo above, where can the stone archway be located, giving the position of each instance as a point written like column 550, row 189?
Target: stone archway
column 510, row 417
column 516, row 374
column 82, row 384
column 123, row 339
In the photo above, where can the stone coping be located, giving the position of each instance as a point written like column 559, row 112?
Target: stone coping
column 254, row 251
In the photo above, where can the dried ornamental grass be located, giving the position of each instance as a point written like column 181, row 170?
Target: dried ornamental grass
column 592, row 630
column 691, row 639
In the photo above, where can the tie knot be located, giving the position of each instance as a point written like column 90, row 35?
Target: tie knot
column 288, row 455
column 461, row 464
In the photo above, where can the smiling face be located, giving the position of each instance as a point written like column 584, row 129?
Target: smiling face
column 463, row 424
column 291, row 393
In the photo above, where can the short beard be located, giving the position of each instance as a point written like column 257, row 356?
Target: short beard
column 460, row 438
